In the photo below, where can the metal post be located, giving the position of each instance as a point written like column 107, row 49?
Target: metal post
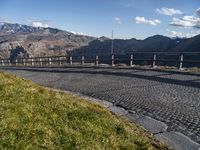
column 2, row 63
column 24, row 62
column 70, row 60
column 32, row 62
column 49, row 61
column 154, row 61
column 131, row 61
column 40, row 61
column 66, row 59
column 9, row 62
column 82, row 60
column 60, row 63
column 113, row 60
column 97, row 60
column 181, row 63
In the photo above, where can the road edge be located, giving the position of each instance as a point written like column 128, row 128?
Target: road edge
column 158, row 129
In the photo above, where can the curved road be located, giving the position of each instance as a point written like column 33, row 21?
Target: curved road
column 167, row 96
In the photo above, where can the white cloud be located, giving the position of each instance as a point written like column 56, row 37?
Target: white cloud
column 118, row 20
column 39, row 24
column 142, row 20
column 186, row 21
column 173, row 34
column 80, row 33
column 169, row 11
column 4, row 20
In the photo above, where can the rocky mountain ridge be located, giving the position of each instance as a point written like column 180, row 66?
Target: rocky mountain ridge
column 26, row 41
column 157, row 43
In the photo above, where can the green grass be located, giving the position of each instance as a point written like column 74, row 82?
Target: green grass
column 33, row 117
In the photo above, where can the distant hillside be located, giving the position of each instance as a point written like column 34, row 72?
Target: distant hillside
column 155, row 43
column 189, row 45
column 24, row 41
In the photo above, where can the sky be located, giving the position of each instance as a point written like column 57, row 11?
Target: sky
column 128, row 18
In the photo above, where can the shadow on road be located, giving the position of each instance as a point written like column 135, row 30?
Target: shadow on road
column 106, row 71
column 158, row 78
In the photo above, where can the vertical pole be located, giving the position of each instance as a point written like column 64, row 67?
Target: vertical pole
column 82, row 60
column 112, row 52
column 66, row 59
column 97, row 60
column 70, row 60
column 181, row 63
column 154, row 61
column 40, row 61
column 8, row 62
column 32, row 62
column 2, row 63
column 24, row 62
column 131, row 61
column 16, row 63
column 60, row 63
column 113, row 60
column 49, row 61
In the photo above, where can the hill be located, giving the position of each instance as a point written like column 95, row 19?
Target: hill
column 157, row 43
column 26, row 41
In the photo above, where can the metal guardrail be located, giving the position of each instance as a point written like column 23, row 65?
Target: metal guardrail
column 131, row 59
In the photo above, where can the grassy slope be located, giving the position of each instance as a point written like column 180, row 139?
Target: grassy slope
column 32, row 117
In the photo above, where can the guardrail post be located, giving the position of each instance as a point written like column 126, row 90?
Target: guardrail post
column 97, row 60
column 24, row 62
column 8, row 62
column 181, row 63
column 82, row 60
column 113, row 60
column 16, row 62
column 49, row 61
column 2, row 63
column 154, row 61
column 40, row 61
column 131, row 61
column 60, row 63
column 70, row 60
column 32, row 62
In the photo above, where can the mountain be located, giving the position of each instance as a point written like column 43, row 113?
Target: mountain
column 189, row 45
column 26, row 41
column 157, row 43
column 18, row 40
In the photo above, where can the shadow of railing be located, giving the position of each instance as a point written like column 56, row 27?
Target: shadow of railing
column 103, row 71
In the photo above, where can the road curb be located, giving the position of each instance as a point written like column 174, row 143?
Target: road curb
column 158, row 129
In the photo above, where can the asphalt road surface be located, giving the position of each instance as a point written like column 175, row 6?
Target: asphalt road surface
column 167, row 96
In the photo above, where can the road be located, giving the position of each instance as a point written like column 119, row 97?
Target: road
column 168, row 96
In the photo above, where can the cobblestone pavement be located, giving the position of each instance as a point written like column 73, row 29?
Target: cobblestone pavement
column 167, row 96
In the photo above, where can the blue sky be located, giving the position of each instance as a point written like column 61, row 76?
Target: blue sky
column 128, row 18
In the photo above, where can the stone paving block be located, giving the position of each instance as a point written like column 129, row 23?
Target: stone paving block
column 152, row 125
column 133, row 117
column 177, row 141
column 118, row 110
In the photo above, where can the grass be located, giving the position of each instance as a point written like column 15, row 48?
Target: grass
column 33, row 117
